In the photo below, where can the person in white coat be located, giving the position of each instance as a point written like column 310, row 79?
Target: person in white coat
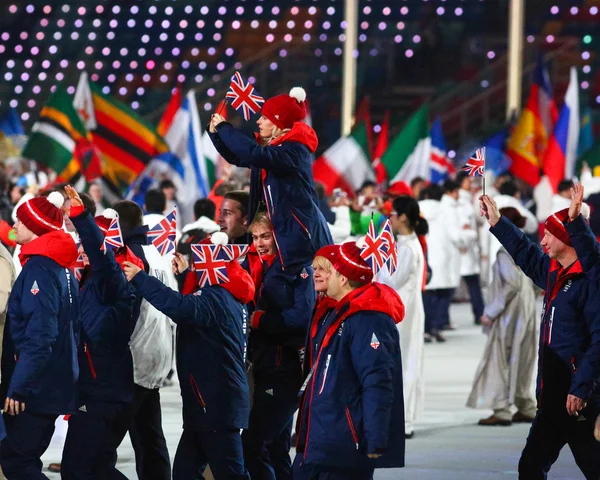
column 408, row 280
column 504, row 377
column 446, row 237
column 470, row 260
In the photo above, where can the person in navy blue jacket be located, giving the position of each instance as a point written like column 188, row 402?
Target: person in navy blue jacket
column 279, row 319
column 351, row 418
column 39, row 354
column 105, row 362
column 210, row 347
column 569, row 347
column 281, row 174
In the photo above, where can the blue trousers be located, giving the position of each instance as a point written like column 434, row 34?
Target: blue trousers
column 93, row 437
column 324, row 472
column 475, row 296
column 221, row 449
column 436, row 304
column 27, row 438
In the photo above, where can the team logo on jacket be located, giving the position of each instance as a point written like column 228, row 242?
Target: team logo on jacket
column 198, row 293
column 567, row 286
column 34, row 288
column 375, row 342
column 304, row 274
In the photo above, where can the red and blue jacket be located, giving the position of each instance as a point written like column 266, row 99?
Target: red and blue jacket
column 41, row 334
column 210, row 347
column 352, row 400
column 281, row 311
column 281, row 178
column 107, row 319
column 569, row 346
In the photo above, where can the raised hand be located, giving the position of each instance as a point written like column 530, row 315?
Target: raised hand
column 130, row 270
column 576, row 201
column 73, row 196
column 180, row 263
column 215, row 120
column 489, row 209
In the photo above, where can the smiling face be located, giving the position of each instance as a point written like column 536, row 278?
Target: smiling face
column 22, row 234
column 231, row 220
column 553, row 246
column 265, row 127
column 263, row 240
column 322, row 272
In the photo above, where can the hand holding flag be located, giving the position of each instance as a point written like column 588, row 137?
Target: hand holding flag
column 475, row 166
column 163, row 234
column 242, row 95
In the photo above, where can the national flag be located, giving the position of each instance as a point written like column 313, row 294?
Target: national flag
column 409, row 154
column 211, row 270
column 12, row 135
column 560, row 157
column 233, row 252
column 475, row 166
column 162, row 235
column 586, row 132
column 529, row 139
column 363, row 115
column 497, row 161
column 439, row 165
column 59, row 139
column 185, row 163
column 346, row 164
column 373, row 250
column 79, row 267
column 169, row 114
column 389, row 247
column 113, row 238
column 592, row 158
column 126, row 142
column 242, row 96
column 380, row 148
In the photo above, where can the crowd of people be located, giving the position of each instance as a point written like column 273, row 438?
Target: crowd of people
column 279, row 317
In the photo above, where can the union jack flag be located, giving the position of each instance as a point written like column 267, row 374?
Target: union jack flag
column 79, row 265
column 475, row 166
column 389, row 247
column 373, row 251
column 242, row 96
column 162, row 235
column 233, row 252
column 113, row 238
column 211, row 269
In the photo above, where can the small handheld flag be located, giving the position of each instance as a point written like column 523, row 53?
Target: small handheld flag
column 210, row 268
column 163, row 234
column 242, row 96
column 389, row 247
column 233, row 252
column 113, row 238
column 373, row 250
column 475, row 166
column 79, row 265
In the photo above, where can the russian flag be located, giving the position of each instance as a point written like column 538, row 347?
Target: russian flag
column 439, row 165
column 561, row 154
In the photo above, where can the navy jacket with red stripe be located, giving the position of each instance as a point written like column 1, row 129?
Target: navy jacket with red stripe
column 281, row 178
column 569, row 346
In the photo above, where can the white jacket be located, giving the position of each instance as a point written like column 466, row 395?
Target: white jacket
column 470, row 259
column 203, row 223
column 152, row 339
column 446, row 236
column 341, row 229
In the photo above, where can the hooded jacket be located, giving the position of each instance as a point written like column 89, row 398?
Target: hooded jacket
column 281, row 178
column 210, row 347
column 107, row 320
column 352, row 401
column 569, row 346
column 41, row 334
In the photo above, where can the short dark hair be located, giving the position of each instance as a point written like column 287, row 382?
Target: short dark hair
column 450, row 186
column 320, row 189
column 367, row 183
column 130, row 215
column 460, row 177
column 166, row 183
column 223, row 188
column 243, row 198
column 205, row 207
column 189, row 238
column 155, row 201
column 432, row 192
column 88, row 203
column 416, row 180
column 566, row 184
column 508, row 188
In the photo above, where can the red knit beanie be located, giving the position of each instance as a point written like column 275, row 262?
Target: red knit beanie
column 555, row 225
column 284, row 110
column 103, row 221
column 42, row 214
column 347, row 261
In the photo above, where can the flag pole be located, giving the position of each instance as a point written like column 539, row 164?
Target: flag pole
column 484, row 170
column 222, row 105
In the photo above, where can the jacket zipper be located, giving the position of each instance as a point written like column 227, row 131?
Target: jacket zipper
column 270, row 210
column 301, row 224
column 89, row 358
column 351, row 424
column 271, row 197
column 325, row 373
column 197, row 392
column 551, row 321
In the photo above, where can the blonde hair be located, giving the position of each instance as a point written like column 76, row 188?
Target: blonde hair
column 278, row 132
column 322, row 262
column 262, row 219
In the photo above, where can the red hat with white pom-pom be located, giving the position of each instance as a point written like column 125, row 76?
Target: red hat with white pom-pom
column 284, row 110
column 103, row 221
column 42, row 214
column 347, row 261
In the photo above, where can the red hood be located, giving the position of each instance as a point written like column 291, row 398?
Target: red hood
column 59, row 246
column 300, row 133
column 374, row 297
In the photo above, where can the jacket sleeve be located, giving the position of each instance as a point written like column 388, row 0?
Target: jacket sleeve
column 113, row 282
column 526, row 254
column 507, row 275
column 584, row 242
column 40, row 312
column 220, row 146
column 247, row 153
column 374, row 369
column 588, row 371
column 196, row 309
column 293, row 319
column 6, row 279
